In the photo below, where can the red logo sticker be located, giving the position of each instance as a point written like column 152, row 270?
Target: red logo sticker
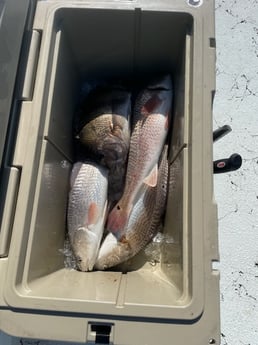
column 221, row 164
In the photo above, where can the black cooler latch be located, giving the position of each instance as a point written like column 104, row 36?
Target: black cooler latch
column 224, row 165
column 100, row 333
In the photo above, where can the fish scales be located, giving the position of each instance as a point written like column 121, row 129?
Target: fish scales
column 149, row 131
column 154, row 202
column 141, row 152
column 85, row 189
column 104, row 131
column 143, row 225
column 86, row 212
column 104, row 119
column 150, row 127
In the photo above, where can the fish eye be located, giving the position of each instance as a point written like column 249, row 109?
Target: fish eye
column 118, row 207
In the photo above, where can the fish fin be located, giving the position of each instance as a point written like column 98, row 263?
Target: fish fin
column 93, row 214
column 151, row 105
column 152, row 179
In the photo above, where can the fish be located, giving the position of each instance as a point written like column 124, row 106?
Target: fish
column 103, row 130
column 151, row 118
column 144, row 222
column 87, row 209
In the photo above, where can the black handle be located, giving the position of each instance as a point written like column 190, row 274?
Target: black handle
column 232, row 163
column 220, row 132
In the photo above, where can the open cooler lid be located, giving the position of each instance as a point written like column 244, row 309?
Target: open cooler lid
column 13, row 20
column 15, row 30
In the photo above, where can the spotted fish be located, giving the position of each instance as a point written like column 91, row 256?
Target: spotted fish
column 144, row 222
column 86, row 213
column 150, row 128
column 103, row 130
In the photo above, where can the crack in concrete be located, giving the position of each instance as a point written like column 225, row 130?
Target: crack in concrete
column 229, row 213
column 241, row 85
column 242, row 291
column 243, row 21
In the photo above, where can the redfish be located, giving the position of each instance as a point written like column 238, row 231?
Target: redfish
column 103, row 129
column 144, row 222
column 86, row 213
column 151, row 118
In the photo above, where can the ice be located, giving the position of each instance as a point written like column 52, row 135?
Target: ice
column 69, row 258
column 154, row 249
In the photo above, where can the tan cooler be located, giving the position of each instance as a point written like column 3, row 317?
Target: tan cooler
column 173, row 300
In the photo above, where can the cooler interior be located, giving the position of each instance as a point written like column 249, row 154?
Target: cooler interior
column 94, row 44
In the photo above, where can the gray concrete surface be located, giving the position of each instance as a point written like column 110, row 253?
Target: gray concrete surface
column 236, row 104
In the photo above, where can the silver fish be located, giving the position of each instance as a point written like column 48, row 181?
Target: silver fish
column 86, row 213
column 104, row 131
column 144, row 223
column 150, row 127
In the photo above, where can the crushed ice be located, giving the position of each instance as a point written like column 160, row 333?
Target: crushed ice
column 156, row 246
column 69, row 258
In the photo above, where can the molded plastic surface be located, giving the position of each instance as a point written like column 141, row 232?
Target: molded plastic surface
column 82, row 42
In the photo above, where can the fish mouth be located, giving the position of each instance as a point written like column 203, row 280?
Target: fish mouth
column 114, row 253
column 84, row 266
column 85, row 244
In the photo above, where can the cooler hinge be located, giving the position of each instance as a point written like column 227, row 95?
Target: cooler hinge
column 26, row 91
